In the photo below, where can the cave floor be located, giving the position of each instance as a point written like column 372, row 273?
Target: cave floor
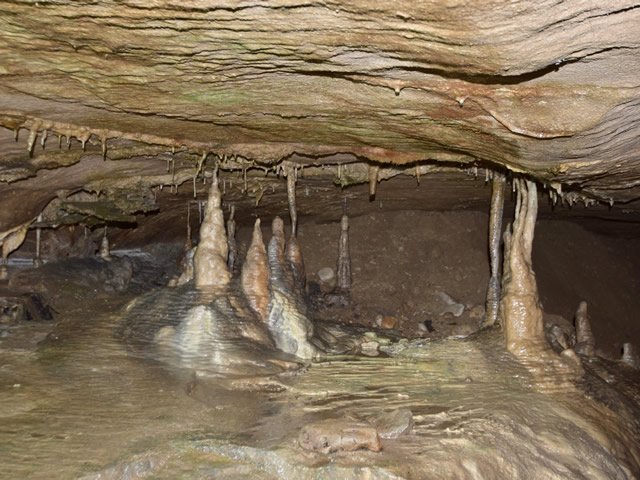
column 77, row 404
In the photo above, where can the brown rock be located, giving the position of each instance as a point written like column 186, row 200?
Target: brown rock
column 387, row 322
column 337, row 435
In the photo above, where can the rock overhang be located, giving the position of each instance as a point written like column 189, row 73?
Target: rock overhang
column 550, row 90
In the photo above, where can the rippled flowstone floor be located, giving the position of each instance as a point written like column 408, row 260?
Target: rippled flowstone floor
column 80, row 405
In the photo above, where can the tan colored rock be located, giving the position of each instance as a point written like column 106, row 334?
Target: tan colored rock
column 210, row 260
column 255, row 274
column 339, row 435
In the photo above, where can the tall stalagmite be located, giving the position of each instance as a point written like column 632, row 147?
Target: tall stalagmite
column 344, row 257
column 211, row 255
column 520, row 310
column 255, row 274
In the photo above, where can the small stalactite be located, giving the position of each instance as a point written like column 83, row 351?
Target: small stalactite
column 231, row 240
column 291, row 196
column 495, row 228
column 188, row 242
column 344, row 256
column 33, row 135
column 374, row 171
column 103, row 141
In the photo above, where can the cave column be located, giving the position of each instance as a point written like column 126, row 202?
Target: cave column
column 495, row 230
column 520, row 310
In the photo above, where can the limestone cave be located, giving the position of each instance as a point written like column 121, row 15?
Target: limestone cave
column 319, row 240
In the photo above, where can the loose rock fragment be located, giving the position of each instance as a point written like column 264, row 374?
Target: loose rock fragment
column 393, row 424
column 339, row 435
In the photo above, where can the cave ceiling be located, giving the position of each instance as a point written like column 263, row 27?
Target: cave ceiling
column 119, row 98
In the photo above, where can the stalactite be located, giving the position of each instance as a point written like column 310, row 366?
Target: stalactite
column 344, row 256
column 33, row 135
column 43, row 140
column 520, row 310
column 255, row 274
column 495, row 228
column 211, row 256
column 373, row 180
column 291, row 196
column 231, row 240
column 188, row 243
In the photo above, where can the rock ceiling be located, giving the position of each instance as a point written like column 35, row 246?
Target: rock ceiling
column 550, row 88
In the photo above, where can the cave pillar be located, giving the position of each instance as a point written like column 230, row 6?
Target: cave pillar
column 495, row 230
column 520, row 311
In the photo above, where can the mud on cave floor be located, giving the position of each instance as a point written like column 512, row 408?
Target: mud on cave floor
column 79, row 405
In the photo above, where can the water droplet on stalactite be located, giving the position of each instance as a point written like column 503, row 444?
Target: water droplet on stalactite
column 373, row 180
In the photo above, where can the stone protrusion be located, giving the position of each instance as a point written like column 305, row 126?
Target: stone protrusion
column 210, row 260
column 105, row 252
column 296, row 264
column 278, row 267
column 495, row 228
column 255, row 274
column 630, row 355
column 520, row 310
column 344, row 256
column 585, row 342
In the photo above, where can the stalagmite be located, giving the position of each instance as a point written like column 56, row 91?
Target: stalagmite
column 104, row 246
column 585, row 342
column 296, row 263
column 373, row 180
column 495, row 228
column 344, row 258
column 10, row 241
column 630, row 355
column 520, row 310
column 276, row 254
column 231, row 240
column 211, row 256
column 255, row 274
column 38, row 261
column 291, row 195
column 188, row 243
